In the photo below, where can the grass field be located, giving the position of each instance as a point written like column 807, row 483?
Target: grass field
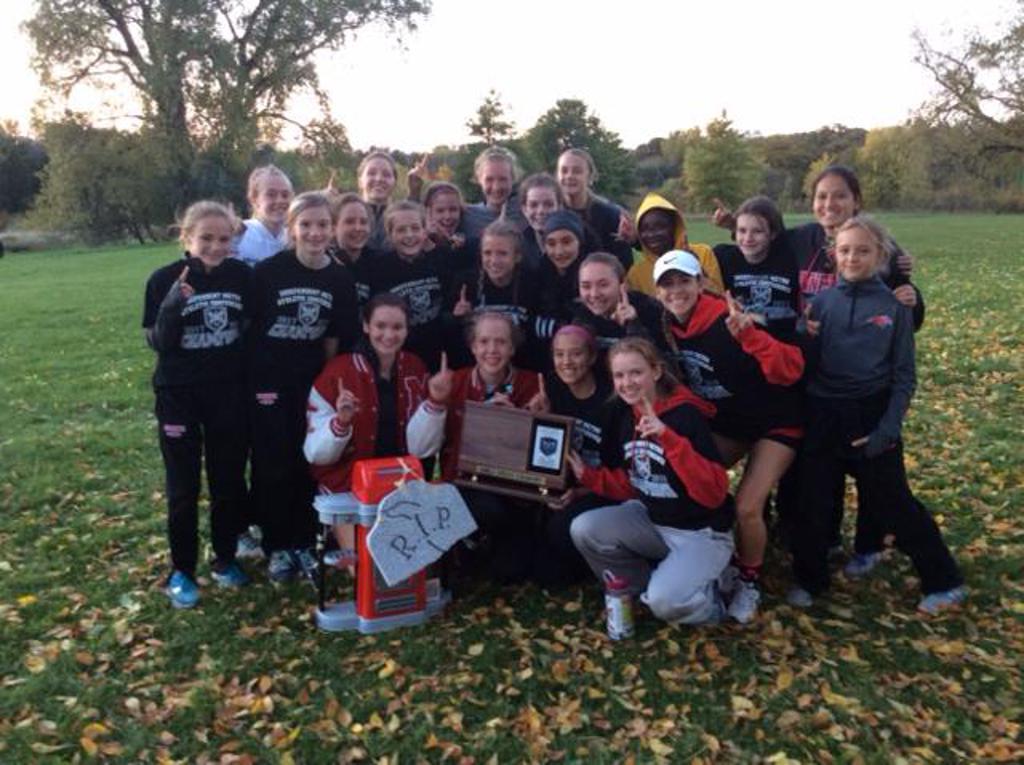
column 95, row 665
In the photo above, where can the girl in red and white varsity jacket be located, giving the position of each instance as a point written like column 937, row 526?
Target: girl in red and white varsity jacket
column 361, row 402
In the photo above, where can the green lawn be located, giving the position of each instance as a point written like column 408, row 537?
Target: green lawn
column 94, row 663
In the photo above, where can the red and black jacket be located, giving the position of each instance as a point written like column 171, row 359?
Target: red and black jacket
column 678, row 475
column 751, row 379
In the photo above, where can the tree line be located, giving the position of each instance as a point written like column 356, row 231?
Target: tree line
column 214, row 80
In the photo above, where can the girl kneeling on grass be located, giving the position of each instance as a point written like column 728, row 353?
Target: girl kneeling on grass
column 857, row 398
column 676, row 511
column 195, row 316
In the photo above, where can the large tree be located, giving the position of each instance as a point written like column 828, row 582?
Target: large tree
column 207, row 71
column 570, row 124
column 720, row 165
column 981, row 85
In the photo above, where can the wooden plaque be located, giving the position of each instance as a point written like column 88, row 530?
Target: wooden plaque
column 514, row 452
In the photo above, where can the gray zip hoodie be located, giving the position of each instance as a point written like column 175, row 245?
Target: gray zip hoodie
column 865, row 346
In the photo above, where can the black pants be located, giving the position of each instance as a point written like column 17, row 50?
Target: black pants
column 557, row 562
column 883, row 491
column 192, row 420
column 282, row 487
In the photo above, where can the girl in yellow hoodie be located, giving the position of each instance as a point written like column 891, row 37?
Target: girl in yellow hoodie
column 660, row 228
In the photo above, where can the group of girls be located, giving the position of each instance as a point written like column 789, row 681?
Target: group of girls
column 675, row 360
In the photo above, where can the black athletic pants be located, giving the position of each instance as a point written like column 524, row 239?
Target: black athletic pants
column 884, row 493
column 206, row 419
column 282, row 487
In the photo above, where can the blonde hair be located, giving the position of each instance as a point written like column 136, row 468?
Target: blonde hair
column 308, row 200
column 589, row 160
column 496, row 154
column 376, row 154
column 873, row 228
column 404, row 205
column 206, row 208
column 513, row 329
column 261, row 175
column 667, row 382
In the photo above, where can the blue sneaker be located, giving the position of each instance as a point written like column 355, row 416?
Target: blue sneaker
column 230, row 575
column 937, row 602
column 281, row 566
column 182, row 590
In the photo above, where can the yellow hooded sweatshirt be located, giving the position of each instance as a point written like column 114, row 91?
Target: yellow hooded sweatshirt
column 641, row 274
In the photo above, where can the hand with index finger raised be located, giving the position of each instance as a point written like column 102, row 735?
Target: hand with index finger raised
column 540, row 401
column 186, row 289
column 439, row 386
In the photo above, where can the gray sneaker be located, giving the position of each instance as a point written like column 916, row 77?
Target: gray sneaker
column 745, row 599
column 248, row 547
column 305, row 562
column 281, row 567
column 862, row 564
column 799, row 598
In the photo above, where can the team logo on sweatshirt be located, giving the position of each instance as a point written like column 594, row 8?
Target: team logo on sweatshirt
column 215, row 317
column 881, row 321
column 760, row 297
column 308, row 313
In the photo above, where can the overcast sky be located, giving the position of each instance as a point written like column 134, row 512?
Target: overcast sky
column 646, row 67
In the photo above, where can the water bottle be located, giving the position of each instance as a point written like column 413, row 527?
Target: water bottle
column 618, row 604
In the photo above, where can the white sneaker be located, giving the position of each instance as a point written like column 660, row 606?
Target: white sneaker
column 745, row 599
column 728, row 580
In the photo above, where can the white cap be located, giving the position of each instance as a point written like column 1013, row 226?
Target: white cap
column 676, row 260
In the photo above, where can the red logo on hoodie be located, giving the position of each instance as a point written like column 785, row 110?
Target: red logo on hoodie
column 881, row 321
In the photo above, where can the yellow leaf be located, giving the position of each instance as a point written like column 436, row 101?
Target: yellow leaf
column 784, row 679
column 27, row 600
column 476, row 649
column 659, row 747
column 286, row 759
column 849, row 653
column 526, row 674
column 387, row 670
column 265, row 684
column 89, row 746
column 949, row 648
column 741, row 704
column 95, row 730
column 35, row 664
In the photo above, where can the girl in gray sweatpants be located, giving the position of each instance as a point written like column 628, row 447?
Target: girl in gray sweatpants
column 676, row 514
